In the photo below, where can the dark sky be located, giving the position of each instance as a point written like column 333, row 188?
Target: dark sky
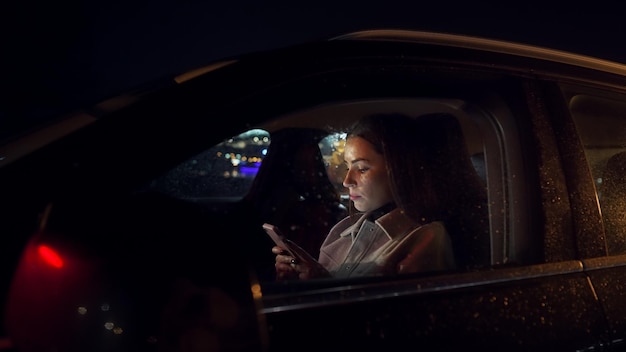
column 60, row 55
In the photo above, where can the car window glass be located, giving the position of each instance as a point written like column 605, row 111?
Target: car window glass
column 224, row 171
column 332, row 150
column 601, row 123
column 233, row 175
column 227, row 170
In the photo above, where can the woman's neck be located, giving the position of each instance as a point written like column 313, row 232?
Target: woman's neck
column 375, row 214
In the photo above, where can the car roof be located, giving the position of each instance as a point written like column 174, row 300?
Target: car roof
column 490, row 45
column 33, row 140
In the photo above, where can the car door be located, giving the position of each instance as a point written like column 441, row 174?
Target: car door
column 534, row 295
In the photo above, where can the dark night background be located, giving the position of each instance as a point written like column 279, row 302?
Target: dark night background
column 59, row 56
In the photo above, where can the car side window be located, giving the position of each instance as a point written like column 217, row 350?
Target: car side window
column 289, row 171
column 472, row 240
column 601, row 124
column 222, row 172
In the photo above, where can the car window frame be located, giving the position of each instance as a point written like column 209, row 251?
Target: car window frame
column 602, row 91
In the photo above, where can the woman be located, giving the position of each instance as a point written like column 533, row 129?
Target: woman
column 394, row 176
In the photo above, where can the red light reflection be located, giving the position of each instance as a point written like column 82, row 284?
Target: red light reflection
column 50, row 256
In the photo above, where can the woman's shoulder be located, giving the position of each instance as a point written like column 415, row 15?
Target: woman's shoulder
column 435, row 229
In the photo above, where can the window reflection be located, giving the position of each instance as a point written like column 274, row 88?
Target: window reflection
column 223, row 171
column 228, row 169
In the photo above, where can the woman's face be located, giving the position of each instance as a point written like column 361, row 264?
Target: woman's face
column 367, row 178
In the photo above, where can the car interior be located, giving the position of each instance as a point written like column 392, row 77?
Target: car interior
column 262, row 172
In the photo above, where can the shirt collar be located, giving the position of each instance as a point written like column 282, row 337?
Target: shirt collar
column 394, row 223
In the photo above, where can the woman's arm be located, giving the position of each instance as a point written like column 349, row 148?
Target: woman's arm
column 431, row 250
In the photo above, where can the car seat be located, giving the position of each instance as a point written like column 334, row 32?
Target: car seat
column 462, row 188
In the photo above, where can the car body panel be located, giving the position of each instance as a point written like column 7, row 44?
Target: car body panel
column 523, row 310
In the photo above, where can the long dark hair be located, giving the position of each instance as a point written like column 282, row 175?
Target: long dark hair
column 432, row 177
column 395, row 136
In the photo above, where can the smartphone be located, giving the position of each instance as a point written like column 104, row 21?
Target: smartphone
column 277, row 237
column 291, row 247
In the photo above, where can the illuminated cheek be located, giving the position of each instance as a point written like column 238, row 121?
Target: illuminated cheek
column 370, row 182
column 367, row 181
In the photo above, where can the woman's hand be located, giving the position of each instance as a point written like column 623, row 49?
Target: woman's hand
column 288, row 267
column 285, row 264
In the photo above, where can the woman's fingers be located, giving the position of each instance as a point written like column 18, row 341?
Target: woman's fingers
column 288, row 267
column 278, row 250
column 286, row 259
column 285, row 270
